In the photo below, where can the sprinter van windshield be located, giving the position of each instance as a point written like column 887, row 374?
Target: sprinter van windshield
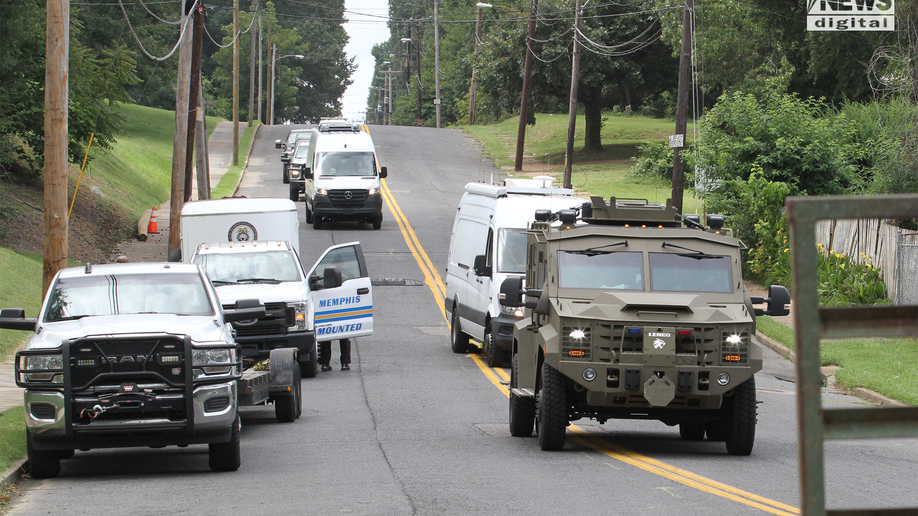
column 346, row 164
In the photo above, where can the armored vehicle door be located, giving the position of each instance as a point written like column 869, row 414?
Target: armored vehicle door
column 340, row 295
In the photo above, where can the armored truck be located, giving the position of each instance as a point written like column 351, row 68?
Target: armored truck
column 632, row 311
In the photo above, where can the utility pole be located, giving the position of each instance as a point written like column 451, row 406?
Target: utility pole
column 252, row 66
column 194, row 107
column 474, row 88
column 269, row 107
column 572, row 109
column 235, row 82
column 524, row 101
column 417, row 56
column 437, row 62
column 57, row 86
column 685, row 81
column 202, row 163
column 180, row 141
column 260, row 54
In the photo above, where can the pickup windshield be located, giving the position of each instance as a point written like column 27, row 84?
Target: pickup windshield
column 181, row 294
column 687, row 272
column 608, row 270
column 271, row 266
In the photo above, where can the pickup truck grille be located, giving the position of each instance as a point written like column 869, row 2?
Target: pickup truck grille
column 99, row 362
column 278, row 317
column 343, row 198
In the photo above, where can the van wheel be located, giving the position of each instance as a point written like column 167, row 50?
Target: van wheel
column 308, row 214
column 494, row 356
column 377, row 221
column 316, row 221
column 458, row 341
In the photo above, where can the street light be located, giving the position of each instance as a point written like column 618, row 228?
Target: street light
column 273, row 75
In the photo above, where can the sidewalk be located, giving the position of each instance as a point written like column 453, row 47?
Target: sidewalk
column 154, row 249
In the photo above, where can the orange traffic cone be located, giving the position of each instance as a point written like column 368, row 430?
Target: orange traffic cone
column 151, row 228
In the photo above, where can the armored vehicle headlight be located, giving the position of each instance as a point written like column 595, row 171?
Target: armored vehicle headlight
column 578, row 334
column 589, row 374
column 723, row 379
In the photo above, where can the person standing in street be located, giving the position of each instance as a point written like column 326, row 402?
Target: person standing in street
column 325, row 354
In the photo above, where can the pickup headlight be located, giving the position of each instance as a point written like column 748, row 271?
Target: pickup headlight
column 53, row 364
column 214, row 360
column 299, row 314
column 294, row 173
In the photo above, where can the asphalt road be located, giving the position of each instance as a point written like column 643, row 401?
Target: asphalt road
column 416, row 429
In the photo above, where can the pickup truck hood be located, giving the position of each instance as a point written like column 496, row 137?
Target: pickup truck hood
column 200, row 328
column 284, row 292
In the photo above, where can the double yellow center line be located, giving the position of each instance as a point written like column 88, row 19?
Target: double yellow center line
column 499, row 377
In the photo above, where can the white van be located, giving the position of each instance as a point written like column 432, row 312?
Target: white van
column 342, row 177
column 488, row 244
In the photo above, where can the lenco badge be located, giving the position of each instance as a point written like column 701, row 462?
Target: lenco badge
column 659, row 334
column 242, row 232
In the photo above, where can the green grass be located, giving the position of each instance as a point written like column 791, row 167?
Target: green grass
column 12, row 438
column 20, row 288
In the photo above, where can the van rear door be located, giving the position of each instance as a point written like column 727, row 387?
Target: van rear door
column 345, row 310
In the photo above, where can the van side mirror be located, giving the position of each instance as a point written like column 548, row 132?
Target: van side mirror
column 307, row 172
column 777, row 301
column 278, row 144
column 15, row 319
column 511, row 292
column 480, row 266
column 383, row 172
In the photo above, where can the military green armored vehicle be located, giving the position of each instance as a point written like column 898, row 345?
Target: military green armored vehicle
column 633, row 311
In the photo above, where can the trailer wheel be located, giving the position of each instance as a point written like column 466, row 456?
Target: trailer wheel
column 42, row 463
column 226, row 456
column 552, row 409
column 522, row 410
column 741, row 421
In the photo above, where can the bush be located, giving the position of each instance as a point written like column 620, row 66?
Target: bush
column 655, row 159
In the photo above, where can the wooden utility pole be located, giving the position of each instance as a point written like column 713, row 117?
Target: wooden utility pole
column 524, row 100
column 685, row 82
column 202, row 163
column 260, row 83
column 194, row 91
column 417, row 56
column 437, row 61
column 572, row 108
column 252, row 65
column 474, row 88
column 57, row 86
column 269, row 107
column 235, row 82
column 180, row 140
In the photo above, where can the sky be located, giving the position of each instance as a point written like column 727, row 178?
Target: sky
column 366, row 27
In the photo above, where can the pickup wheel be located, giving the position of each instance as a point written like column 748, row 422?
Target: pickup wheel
column 288, row 408
column 286, row 174
column 294, row 193
column 522, row 410
column 226, row 456
column 458, row 341
column 552, row 414
column 310, row 368
column 741, row 419
column 494, row 356
column 42, row 463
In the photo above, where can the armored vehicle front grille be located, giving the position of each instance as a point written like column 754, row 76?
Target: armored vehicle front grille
column 95, row 362
column 735, row 347
column 617, row 338
column 341, row 198
column 278, row 317
column 576, row 348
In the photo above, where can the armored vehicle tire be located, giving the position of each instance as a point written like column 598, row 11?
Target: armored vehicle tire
column 742, row 418
column 493, row 354
column 552, row 415
column 716, row 431
column 377, row 221
column 522, row 410
column 458, row 341
column 42, row 463
column 288, row 408
column 226, row 456
column 308, row 214
column 692, row 430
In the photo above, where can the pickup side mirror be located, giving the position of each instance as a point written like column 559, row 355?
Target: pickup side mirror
column 383, row 173
column 307, row 172
column 332, row 277
column 244, row 310
column 777, row 301
column 278, row 144
column 511, row 292
column 15, row 319
column 480, row 266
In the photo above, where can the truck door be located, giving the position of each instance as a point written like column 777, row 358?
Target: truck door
column 345, row 310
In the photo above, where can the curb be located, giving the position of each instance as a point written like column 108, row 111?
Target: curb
column 860, row 392
column 13, row 475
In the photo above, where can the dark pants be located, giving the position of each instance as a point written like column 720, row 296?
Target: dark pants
column 325, row 352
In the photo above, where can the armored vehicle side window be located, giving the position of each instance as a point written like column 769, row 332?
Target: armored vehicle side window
column 511, row 250
column 673, row 272
column 619, row 270
column 233, row 267
column 181, row 294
